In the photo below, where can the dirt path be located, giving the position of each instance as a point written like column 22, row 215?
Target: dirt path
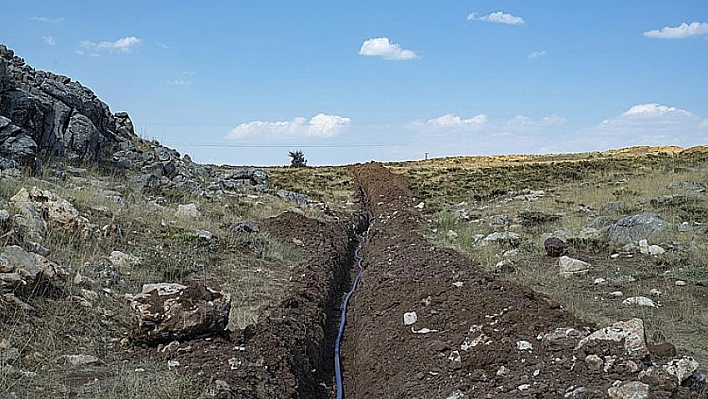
column 483, row 334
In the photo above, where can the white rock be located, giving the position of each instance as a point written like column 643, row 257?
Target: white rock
column 616, row 294
column 656, row 250
column 630, row 333
column 644, row 246
column 77, row 360
column 503, row 371
column 680, row 283
column 451, row 234
column 629, row 390
column 457, row 395
column 570, row 265
column 420, row 205
column 615, row 256
column 524, row 387
column 455, row 357
column 681, row 368
column 599, row 281
column 172, row 364
column 123, row 261
column 524, row 345
column 188, row 211
column 655, row 292
column 410, row 318
column 638, row 301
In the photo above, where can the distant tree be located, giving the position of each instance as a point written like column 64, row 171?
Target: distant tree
column 298, row 159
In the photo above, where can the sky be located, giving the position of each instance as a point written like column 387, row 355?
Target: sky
column 245, row 82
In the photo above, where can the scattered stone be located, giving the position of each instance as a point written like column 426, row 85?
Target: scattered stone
column 172, row 364
column 628, row 333
column 188, row 211
column 638, row 301
column 611, row 207
column 680, row 283
column 123, row 261
column 505, row 237
column 694, row 186
column 682, row 368
column 555, row 247
column 420, row 206
column 655, row 292
column 629, row 390
column 524, row 345
column 594, row 362
column 503, row 371
column 570, row 266
column 451, row 234
column 631, row 229
column 599, row 281
column 616, row 294
column 498, row 221
column 243, row 227
column 291, row 196
column 409, row 318
column 457, row 395
column 599, row 222
column 505, row 266
column 168, row 311
column 204, row 234
column 77, row 360
column 455, row 357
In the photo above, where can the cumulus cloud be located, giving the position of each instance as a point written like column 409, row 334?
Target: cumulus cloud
column 647, row 124
column 536, row 54
column 320, row 125
column 382, row 47
column 498, row 17
column 123, row 45
column 50, row 40
column 47, row 19
column 679, row 32
column 452, row 121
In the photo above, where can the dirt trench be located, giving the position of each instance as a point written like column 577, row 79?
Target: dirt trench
column 455, row 302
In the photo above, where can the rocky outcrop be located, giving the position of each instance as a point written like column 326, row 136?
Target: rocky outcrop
column 49, row 115
column 44, row 115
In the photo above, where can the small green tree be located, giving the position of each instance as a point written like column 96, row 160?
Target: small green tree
column 298, row 159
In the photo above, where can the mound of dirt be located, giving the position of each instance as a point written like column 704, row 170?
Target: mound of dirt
column 426, row 323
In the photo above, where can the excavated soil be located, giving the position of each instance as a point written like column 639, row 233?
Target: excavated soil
column 456, row 303
column 454, row 300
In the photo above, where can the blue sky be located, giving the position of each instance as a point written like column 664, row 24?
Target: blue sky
column 352, row 81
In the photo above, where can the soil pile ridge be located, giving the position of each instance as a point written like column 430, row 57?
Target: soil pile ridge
column 427, row 323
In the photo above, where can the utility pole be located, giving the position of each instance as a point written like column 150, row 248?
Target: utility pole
column 426, row 156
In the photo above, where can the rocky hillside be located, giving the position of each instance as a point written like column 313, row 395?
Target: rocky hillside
column 48, row 116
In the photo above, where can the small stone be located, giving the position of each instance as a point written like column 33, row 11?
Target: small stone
column 680, row 283
column 682, row 368
column 570, row 266
column 629, row 390
column 656, row 250
column 599, row 281
column 616, row 294
column 410, row 318
column 594, row 362
column 451, row 234
column 503, row 371
column 455, row 357
column 643, row 247
column 207, row 235
column 524, row 387
column 655, row 292
column 77, row 360
column 524, row 345
column 188, row 211
column 555, row 247
column 172, row 364
column 615, row 256
column 458, row 284
column 638, row 301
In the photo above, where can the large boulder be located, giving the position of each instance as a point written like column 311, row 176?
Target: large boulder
column 166, row 312
column 58, row 213
column 632, row 229
column 20, row 268
column 624, row 338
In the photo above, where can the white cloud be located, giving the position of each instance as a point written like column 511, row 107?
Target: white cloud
column 536, row 54
column 679, row 32
column 647, row 124
column 498, row 17
column 452, row 121
column 123, row 45
column 47, row 19
column 182, row 78
column 320, row 125
column 162, row 46
column 382, row 47
column 50, row 40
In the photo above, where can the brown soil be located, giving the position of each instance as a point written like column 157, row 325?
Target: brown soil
column 404, row 273
column 289, row 354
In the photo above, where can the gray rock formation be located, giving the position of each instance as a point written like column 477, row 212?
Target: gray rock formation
column 631, row 229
